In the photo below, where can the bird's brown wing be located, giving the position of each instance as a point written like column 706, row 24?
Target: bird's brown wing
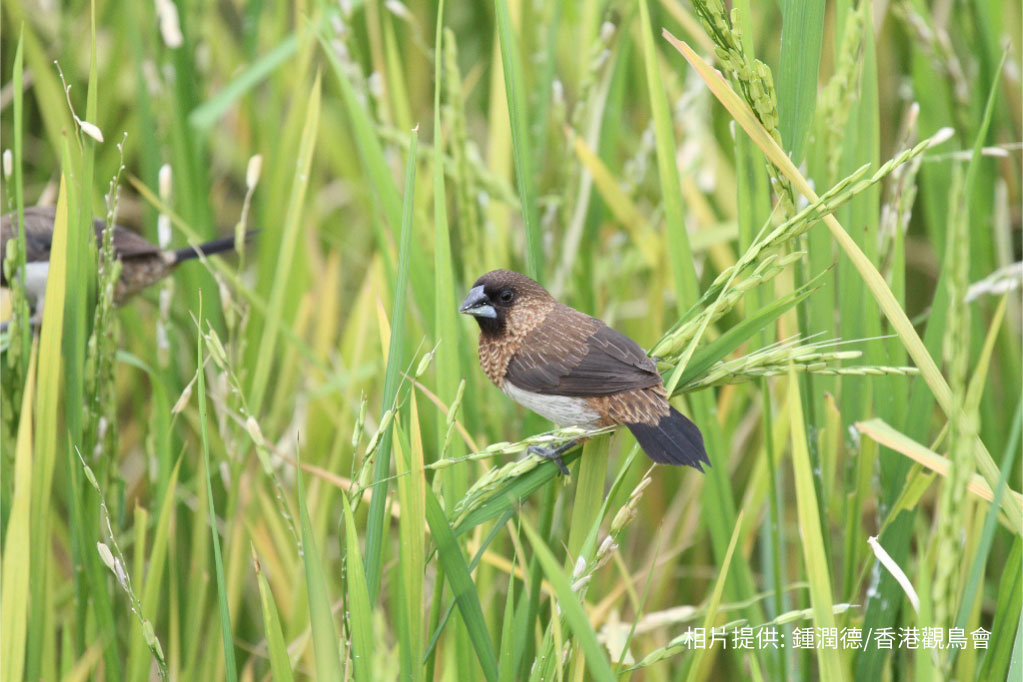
column 38, row 232
column 573, row 354
column 127, row 244
column 39, row 235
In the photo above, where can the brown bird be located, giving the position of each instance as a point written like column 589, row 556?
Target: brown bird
column 142, row 263
column 575, row 370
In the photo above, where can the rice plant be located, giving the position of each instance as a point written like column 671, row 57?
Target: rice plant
column 284, row 462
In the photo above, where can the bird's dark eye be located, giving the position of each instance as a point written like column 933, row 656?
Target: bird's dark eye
column 506, row 296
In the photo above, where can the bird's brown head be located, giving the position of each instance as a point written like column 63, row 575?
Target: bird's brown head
column 501, row 297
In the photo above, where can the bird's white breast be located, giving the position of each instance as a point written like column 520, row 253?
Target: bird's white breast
column 36, row 273
column 560, row 409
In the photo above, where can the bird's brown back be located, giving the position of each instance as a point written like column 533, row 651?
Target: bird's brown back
column 38, row 232
column 39, row 235
column 573, row 354
column 547, row 347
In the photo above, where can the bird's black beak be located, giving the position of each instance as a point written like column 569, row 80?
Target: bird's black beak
column 477, row 304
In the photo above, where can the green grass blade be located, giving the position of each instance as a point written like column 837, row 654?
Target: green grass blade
column 506, row 662
column 753, row 203
column 589, row 494
column 680, row 254
column 360, row 611
column 462, row 586
column 49, row 385
column 446, row 323
column 412, row 545
column 375, row 165
column 207, row 114
column 976, row 157
column 82, row 259
column 231, row 667
column 17, row 572
column 80, row 302
column 522, row 146
column 510, row 493
column 289, row 243
column 718, row 488
column 17, row 79
column 140, row 657
column 46, row 86
column 1003, row 647
column 447, row 332
column 884, row 434
column 704, row 358
column 1016, row 662
column 976, row 576
column 395, row 364
column 321, row 617
column 78, row 269
column 280, row 663
column 715, row 596
column 396, row 88
column 802, row 35
column 598, row 666
column 442, row 620
column 818, row 571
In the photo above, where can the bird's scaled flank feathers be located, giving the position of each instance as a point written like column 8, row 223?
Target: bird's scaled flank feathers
column 579, row 356
column 673, row 440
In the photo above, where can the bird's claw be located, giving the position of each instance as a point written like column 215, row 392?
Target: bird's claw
column 552, row 454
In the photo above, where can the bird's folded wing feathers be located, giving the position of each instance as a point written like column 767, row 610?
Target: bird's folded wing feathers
column 38, row 231
column 573, row 354
column 39, row 235
column 127, row 244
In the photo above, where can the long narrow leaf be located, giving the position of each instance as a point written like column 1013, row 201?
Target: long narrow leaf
column 568, row 602
column 802, row 34
column 521, row 145
column 231, row 667
column 462, row 586
column 679, row 253
column 888, row 436
column 815, row 560
column 321, row 616
column 157, row 563
column 360, row 609
column 17, row 571
column 278, row 650
column 395, row 360
column 49, row 385
column 412, row 539
column 289, row 243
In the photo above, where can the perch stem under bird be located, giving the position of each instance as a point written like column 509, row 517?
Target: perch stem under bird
column 142, row 263
column 575, row 370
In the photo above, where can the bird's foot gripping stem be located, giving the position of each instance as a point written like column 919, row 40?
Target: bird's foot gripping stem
column 553, row 453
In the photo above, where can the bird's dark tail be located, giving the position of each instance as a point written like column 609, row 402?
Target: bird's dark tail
column 210, row 247
column 673, row 440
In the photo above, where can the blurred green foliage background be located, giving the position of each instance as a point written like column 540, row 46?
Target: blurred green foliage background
column 406, row 148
